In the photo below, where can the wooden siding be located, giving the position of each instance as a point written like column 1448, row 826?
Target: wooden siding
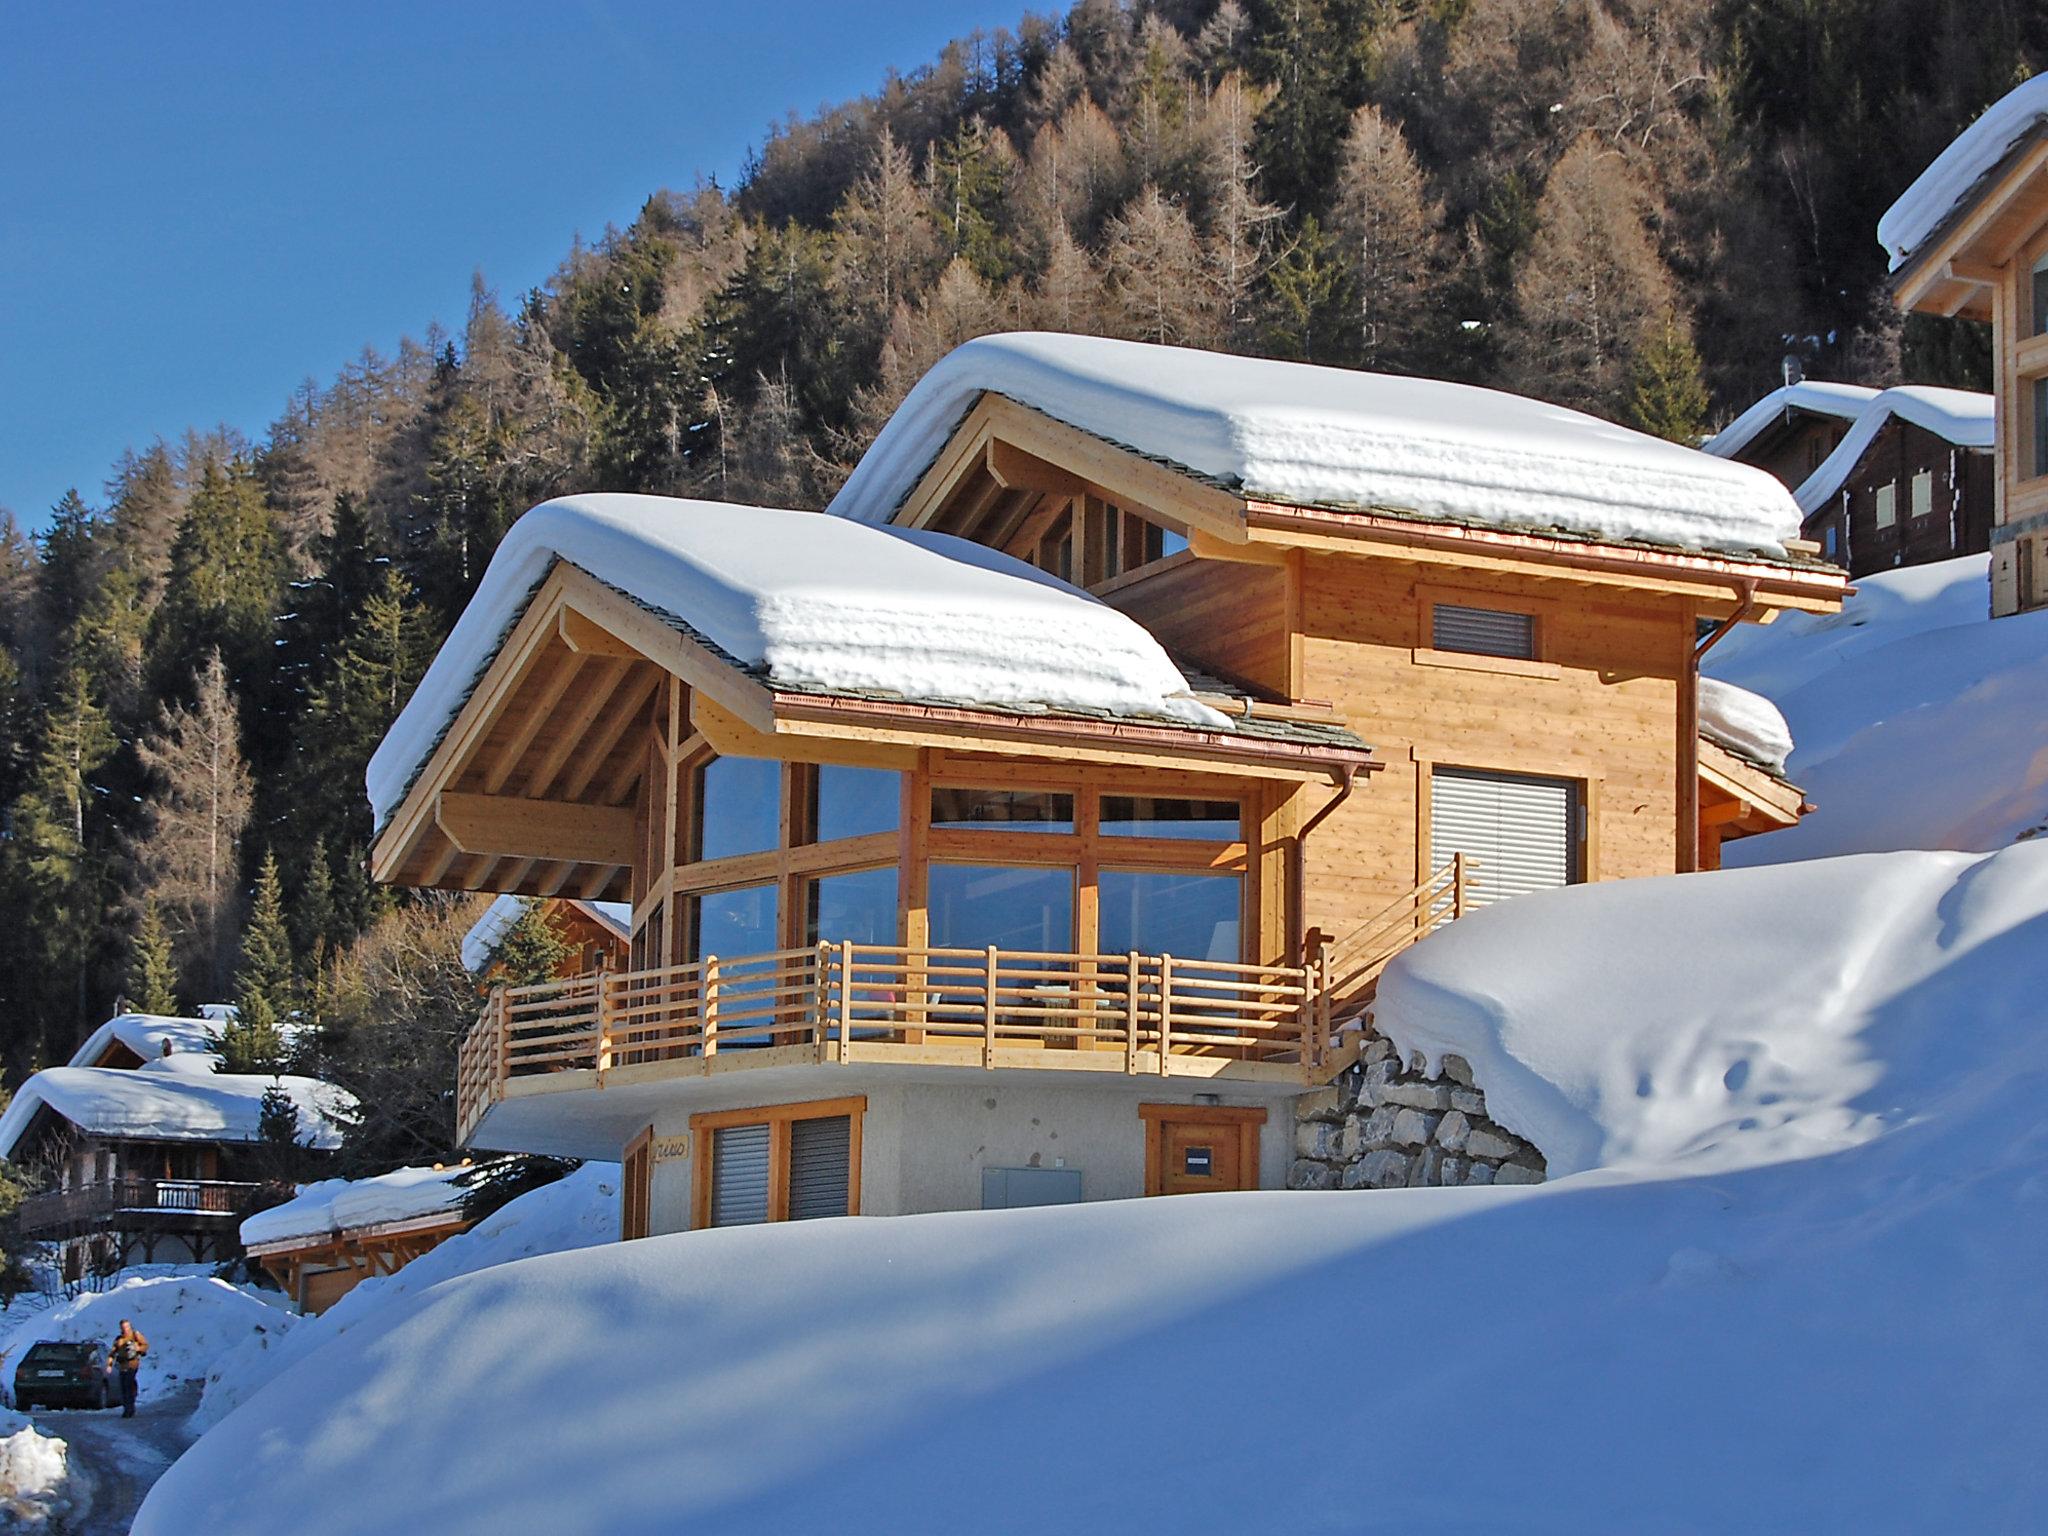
column 1959, row 518
column 1794, row 449
column 1230, row 620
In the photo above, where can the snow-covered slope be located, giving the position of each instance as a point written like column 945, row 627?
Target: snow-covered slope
column 1807, row 1299
column 1918, row 718
column 575, row 1212
column 1316, row 436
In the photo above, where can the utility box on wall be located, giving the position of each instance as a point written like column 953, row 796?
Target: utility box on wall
column 1005, row 1189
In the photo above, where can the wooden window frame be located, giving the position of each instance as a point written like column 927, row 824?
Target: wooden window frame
column 1248, row 1121
column 778, row 1118
column 1586, row 783
column 636, row 1188
column 1543, row 611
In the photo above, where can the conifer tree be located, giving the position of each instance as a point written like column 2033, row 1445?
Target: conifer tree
column 1155, row 264
column 533, row 949
column 152, row 969
column 264, row 999
column 1308, row 309
column 227, row 569
column 1383, row 214
column 1667, row 396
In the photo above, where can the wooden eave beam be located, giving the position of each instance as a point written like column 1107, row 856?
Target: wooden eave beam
column 586, row 637
column 1975, row 238
column 511, row 827
column 1773, row 800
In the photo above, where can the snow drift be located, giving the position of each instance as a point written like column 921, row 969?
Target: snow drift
column 39, row 1489
column 1796, row 1289
column 1295, row 433
column 1918, row 717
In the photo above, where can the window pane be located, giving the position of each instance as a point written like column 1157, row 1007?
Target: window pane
column 1194, row 916
column 1002, row 810
column 1171, row 543
column 976, row 905
column 2041, row 426
column 1887, row 505
column 860, row 906
column 2041, row 297
column 1143, row 816
column 1923, row 493
column 853, row 802
column 738, row 922
column 738, row 806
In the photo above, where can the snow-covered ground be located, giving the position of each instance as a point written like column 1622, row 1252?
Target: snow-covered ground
column 1794, row 1286
column 189, row 1317
column 575, row 1212
column 1918, row 719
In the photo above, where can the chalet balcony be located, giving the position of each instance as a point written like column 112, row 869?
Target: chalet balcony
column 134, row 1202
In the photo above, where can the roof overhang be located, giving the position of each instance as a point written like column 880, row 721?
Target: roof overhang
column 338, row 1239
column 1740, row 798
column 1954, row 271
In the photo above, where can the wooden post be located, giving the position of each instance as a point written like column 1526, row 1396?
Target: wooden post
column 1131, row 1013
column 604, row 1024
column 845, row 1000
column 1165, row 1010
column 708, row 1009
column 503, row 1037
column 988, row 1011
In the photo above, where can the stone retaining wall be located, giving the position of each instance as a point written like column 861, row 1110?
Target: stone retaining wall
column 1380, row 1126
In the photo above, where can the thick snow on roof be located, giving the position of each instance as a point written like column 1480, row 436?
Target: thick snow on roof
column 176, row 1099
column 348, row 1205
column 1844, row 401
column 146, row 1035
column 1814, row 1094
column 1962, row 416
column 1294, row 433
column 1747, row 724
column 501, row 915
column 1918, row 716
column 1973, row 155
column 812, row 602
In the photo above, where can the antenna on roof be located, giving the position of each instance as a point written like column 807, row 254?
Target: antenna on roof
column 1795, row 370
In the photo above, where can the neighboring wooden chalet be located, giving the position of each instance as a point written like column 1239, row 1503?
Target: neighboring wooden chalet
column 950, row 887
column 141, row 1151
column 331, row 1236
column 1913, row 482
column 1792, row 430
column 598, row 933
column 1970, row 238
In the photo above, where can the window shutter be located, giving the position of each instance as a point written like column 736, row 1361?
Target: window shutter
column 739, row 1175
column 1887, row 504
column 1923, row 493
column 820, row 1159
column 1522, row 831
column 1482, row 631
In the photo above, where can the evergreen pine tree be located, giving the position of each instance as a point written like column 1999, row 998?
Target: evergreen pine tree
column 226, row 575
column 315, row 920
column 152, row 969
column 533, row 949
column 1667, row 396
column 1308, row 309
column 254, row 1042
column 280, row 1154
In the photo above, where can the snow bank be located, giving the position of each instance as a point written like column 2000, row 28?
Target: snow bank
column 1312, row 436
column 173, row 1098
column 1918, row 717
column 37, row 1488
column 1828, row 1320
column 1845, row 401
column 1976, row 151
column 1961, row 416
column 337, row 1205
column 811, row 602
column 190, row 1321
column 1747, row 724
column 579, row 1211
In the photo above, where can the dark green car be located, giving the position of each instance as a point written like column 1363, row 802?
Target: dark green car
column 62, row 1374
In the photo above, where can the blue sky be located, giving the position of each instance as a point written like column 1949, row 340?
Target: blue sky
column 201, row 205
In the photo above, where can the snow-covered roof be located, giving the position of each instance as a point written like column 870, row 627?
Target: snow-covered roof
column 1334, row 437
column 501, row 915
column 809, row 602
column 177, row 1098
column 146, row 1034
column 1845, row 402
column 349, row 1205
column 1747, row 724
column 1961, row 416
column 1924, row 206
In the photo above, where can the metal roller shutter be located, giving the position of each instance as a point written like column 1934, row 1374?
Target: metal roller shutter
column 739, row 1175
column 819, row 1163
column 1482, row 631
column 1522, row 831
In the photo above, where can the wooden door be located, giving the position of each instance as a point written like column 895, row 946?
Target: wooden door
column 1200, row 1148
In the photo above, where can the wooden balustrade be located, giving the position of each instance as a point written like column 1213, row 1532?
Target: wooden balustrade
column 132, row 1196
column 1353, row 964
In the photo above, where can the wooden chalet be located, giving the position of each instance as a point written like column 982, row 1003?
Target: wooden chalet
column 333, row 1235
column 1970, row 239
column 1791, row 431
column 596, row 933
column 1913, row 482
column 894, row 952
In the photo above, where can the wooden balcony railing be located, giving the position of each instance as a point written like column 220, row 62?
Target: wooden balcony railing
column 847, row 1002
column 109, row 1202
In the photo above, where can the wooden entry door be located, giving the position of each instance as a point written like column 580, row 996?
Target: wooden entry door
column 1199, row 1148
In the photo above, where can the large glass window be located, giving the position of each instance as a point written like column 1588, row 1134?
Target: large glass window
column 1156, row 913
column 2041, row 426
column 736, row 807
column 860, row 907
column 1002, row 810
column 1215, row 821
column 736, row 922
column 854, row 802
column 976, row 905
column 2041, row 297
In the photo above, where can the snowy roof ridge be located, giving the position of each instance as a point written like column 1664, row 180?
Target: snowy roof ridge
column 1925, row 206
column 345, row 1205
column 146, row 1034
column 1820, row 396
column 1305, row 435
column 162, row 1102
column 807, row 602
column 1961, row 416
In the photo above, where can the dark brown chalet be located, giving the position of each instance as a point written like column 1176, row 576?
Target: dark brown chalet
column 1791, row 431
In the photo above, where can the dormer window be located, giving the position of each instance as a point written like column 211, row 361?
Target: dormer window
column 1483, row 631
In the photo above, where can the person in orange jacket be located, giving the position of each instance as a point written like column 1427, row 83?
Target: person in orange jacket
column 126, row 1357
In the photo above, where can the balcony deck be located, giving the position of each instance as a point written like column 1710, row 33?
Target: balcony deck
column 135, row 1203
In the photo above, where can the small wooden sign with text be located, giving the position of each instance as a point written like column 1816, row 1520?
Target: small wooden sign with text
column 671, row 1149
